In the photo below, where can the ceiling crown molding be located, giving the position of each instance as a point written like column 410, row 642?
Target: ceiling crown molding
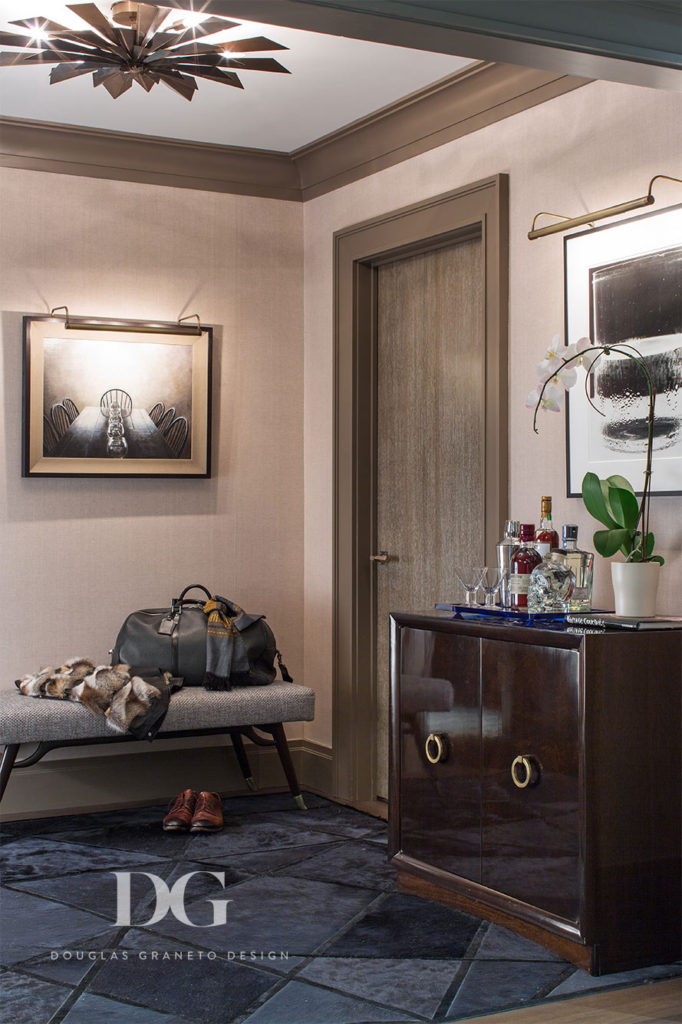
column 456, row 106
column 123, row 156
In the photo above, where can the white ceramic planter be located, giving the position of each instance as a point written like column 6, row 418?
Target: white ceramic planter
column 635, row 585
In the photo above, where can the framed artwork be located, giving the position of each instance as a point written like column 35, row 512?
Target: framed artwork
column 116, row 398
column 623, row 285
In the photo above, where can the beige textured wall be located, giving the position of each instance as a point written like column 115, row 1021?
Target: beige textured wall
column 588, row 149
column 77, row 555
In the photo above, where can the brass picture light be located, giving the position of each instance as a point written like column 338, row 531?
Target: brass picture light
column 566, row 223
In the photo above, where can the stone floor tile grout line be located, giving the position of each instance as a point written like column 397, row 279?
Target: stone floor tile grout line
column 452, row 990
column 418, row 1018
column 293, row 975
column 78, row 990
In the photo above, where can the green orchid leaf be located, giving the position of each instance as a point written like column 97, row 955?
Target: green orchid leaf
column 620, row 481
column 624, row 507
column 657, row 558
column 595, row 502
column 608, row 542
column 605, row 490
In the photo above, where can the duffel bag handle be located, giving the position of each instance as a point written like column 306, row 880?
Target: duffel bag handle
column 193, row 586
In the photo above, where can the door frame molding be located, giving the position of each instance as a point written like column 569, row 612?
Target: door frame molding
column 482, row 207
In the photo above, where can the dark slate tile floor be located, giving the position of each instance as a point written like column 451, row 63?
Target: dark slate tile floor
column 315, row 931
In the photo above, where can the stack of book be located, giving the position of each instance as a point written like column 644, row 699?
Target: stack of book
column 609, row 620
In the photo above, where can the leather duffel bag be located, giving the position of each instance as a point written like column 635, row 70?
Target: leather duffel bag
column 173, row 639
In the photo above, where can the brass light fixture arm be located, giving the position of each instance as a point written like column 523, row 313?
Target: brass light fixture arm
column 66, row 313
column 83, row 323
column 566, row 223
column 192, row 316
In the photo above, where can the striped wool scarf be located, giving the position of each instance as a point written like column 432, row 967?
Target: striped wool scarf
column 226, row 658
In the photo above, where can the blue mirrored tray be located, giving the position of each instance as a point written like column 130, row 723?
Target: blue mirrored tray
column 501, row 615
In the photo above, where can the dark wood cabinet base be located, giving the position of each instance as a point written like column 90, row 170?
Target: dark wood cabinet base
column 594, row 959
column 578, row 851
column 574, row 952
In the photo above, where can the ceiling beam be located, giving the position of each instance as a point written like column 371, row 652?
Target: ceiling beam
column 637, row 43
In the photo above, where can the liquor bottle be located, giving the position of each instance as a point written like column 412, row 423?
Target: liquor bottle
column 504, row 553
column 551, row 585
column 523, row 560
column 546, row 537
column 581, row 564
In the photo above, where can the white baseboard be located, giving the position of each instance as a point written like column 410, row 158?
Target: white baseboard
column 81, row 785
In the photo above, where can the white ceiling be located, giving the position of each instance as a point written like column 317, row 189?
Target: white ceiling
column 334, row 81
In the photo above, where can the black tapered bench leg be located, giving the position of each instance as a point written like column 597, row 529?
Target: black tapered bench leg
column 8, row 758
column 243, row 760
column 277, row 730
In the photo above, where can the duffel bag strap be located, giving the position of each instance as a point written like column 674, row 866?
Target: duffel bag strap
column 283, row 669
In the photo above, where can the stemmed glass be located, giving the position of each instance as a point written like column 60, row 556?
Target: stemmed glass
column 492, row 578
column 470, row 578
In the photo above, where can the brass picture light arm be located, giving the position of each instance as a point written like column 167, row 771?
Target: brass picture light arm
column 566, row 223
column 82, row 323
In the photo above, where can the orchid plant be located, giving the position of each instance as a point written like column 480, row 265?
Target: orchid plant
column 611, row 501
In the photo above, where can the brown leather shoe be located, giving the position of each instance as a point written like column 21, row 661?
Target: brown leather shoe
column 179, row 816
column 208, row 813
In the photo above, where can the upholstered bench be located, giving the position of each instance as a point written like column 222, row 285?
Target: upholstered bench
column 193, row 711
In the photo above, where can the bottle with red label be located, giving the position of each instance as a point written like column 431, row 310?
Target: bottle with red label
column 523, row 560
column 546, row 537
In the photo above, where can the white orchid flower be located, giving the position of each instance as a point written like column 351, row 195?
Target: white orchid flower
column 555, row 349
column 551, row 400
column 582, row 348
column 578, row 346
column 554, row 370
column 548, row 368
column 532, row 399
column 567, row 377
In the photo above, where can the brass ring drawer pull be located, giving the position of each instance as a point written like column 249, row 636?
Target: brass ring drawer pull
column 436, row 748
column 525, row 771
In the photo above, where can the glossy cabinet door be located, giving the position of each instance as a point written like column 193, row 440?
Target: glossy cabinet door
column 557, row 811
column 530, row 822
column 438, row 717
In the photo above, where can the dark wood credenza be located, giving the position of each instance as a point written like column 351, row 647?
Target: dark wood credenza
column 536, row 782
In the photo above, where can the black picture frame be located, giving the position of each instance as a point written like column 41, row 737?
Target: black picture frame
column 115, row 398
column 623, row 283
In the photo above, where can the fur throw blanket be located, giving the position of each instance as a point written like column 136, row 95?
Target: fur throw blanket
column 133, row 700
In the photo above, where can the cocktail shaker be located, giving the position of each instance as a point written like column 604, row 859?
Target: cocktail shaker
column 512, row 528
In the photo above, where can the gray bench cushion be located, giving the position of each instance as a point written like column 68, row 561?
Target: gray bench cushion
column 31, row 719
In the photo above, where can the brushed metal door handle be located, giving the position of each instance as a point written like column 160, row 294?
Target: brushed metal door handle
column 382, row 557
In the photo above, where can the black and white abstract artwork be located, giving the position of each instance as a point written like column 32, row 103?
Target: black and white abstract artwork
column 624, row 287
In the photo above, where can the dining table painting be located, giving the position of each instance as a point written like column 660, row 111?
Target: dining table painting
column 123, row 399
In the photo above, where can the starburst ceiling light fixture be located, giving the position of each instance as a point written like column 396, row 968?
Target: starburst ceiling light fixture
column 142, row 43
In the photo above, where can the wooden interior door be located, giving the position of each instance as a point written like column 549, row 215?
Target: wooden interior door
column 430, row 436
column 432, row 280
